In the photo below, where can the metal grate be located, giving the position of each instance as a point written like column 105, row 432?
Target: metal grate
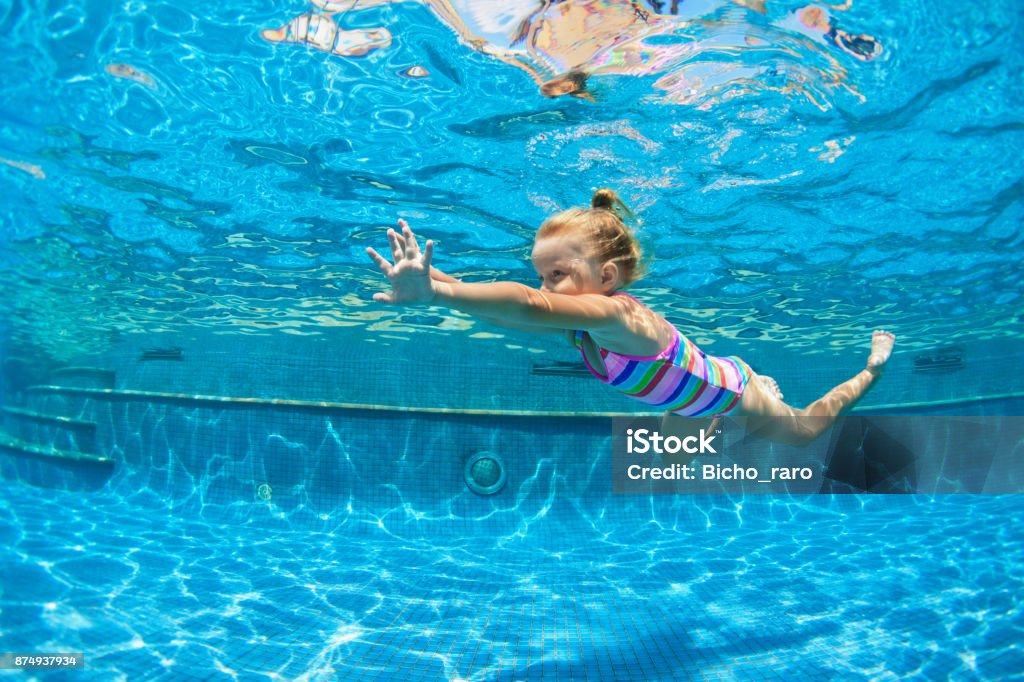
column 161, row 354
column 562, row 369
column 940, row 360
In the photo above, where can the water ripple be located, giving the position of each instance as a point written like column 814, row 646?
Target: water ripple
column 781, row 183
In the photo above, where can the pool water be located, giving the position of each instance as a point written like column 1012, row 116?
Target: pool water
column 237, row 193
column 220, row 459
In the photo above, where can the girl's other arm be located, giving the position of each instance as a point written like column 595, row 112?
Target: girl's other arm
column 436, row 274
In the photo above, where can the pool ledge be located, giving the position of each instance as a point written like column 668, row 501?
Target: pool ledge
column 189, row 398
column 18, row 447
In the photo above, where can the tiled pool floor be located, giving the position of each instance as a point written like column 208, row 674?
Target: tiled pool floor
column 903, row 586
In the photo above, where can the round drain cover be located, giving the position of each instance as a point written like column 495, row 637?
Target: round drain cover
column 485, row 473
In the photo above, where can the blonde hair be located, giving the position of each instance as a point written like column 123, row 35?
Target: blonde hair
column 604, row 228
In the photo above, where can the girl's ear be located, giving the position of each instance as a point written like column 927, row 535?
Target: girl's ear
column 610, row 276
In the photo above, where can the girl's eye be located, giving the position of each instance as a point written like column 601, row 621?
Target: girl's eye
column 557, row 274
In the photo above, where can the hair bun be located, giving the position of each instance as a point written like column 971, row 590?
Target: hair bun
column 608, row 200
column 605, row 198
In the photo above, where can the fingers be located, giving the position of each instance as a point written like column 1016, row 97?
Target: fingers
column 400, row 242
column 403, row 247
column 397, row 245
column 428, row 252
column 380, row 260
column 412, row 249
column 404, row 227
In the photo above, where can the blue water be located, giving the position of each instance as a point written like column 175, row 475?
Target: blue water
column 171, row 178
column 238, row 191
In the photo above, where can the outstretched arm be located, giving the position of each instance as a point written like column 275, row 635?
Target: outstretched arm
column 509, row 302
column 439, row 276
column 519, row 304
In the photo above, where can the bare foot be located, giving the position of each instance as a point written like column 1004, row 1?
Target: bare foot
column 770, row 385
column 275, row 35
column 881, row 348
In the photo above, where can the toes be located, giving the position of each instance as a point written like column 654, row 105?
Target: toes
column 771, row 386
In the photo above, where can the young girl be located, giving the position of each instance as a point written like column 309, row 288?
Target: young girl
column 584, row 258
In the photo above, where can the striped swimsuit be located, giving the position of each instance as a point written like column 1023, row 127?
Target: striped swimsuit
column 680, row 379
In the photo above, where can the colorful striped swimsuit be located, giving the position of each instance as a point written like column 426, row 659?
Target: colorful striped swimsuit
column 680, row 379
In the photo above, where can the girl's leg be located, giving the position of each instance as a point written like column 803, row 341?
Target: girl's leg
column 769, row 417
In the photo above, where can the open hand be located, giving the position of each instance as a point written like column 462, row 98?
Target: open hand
column 410, row 272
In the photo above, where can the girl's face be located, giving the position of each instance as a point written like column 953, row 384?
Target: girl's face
column 558, row 87
column 565, row 268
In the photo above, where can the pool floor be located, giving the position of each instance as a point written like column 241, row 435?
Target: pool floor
column 893, row 588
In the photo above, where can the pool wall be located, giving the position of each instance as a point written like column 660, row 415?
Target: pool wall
column 364, row 470
column 327, row 426
column 486, row 368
